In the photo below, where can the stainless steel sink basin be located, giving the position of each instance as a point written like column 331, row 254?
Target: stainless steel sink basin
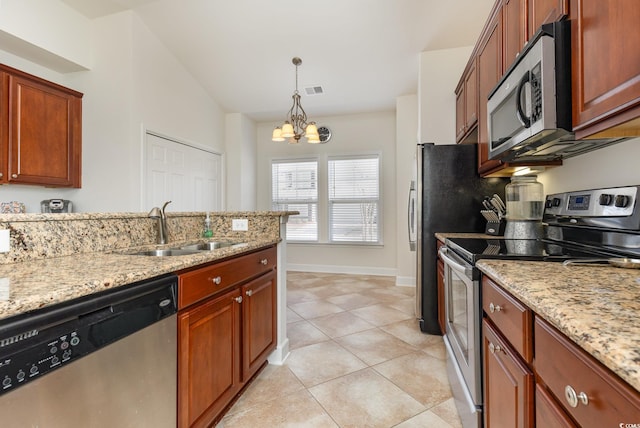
column 208, row 246
column 164, row 253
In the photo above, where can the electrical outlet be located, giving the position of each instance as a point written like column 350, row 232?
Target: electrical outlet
column 5, row 246
column 240, row 224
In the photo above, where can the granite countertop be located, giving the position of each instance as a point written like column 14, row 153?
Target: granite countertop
column 34, row 284
column 598, row 307
column 442, row 236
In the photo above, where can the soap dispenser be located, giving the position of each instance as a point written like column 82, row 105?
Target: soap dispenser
column 207, row 233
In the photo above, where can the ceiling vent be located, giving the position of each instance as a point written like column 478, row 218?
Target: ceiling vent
column 314, row 90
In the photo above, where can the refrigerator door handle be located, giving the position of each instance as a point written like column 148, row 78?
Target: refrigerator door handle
column 411, row 220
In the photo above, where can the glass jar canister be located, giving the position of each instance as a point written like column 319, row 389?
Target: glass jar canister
column 525, row 198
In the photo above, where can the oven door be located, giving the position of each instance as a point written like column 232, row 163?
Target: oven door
column 462, row 326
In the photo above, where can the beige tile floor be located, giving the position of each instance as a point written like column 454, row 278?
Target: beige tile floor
column 357, row 360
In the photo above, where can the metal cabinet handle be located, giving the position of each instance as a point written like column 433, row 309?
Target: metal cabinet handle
column 238, row 299
column 264, row 262
column 249, row 293
column 14, row 175
column 494, row 308
column 217, row 280
column 494, row 348
column 574, row 399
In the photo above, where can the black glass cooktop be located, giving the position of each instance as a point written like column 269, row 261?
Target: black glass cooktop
column 473, row 249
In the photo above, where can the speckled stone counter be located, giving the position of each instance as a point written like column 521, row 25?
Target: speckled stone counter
column 59, row 257
column 442, row 236
column 597, row 307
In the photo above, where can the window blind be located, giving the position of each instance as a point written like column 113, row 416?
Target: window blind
column 294, row 187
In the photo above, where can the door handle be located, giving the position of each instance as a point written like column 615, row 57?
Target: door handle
column 524, row 119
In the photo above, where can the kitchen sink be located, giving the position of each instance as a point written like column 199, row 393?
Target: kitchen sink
column 164, row 253
column 208, row 246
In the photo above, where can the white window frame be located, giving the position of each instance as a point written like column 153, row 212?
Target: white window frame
column 276, row 204
column 377, row 201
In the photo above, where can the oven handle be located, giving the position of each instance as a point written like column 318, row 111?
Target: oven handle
column 448, row 257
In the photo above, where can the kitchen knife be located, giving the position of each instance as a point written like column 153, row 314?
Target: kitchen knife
column 503, row 207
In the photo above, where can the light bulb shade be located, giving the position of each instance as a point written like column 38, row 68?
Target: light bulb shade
column 315, row 139
column 287, row 130
column 277, row 135
column 312, row 130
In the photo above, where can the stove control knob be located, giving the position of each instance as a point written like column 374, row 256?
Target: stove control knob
column 605, row 199
column 548, row 204
column 621, row 201
column 556, row 202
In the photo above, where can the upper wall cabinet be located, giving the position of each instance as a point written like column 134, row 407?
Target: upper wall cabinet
column 545, row 11
column 605, row 66
column 40, row 131
column 467, row 101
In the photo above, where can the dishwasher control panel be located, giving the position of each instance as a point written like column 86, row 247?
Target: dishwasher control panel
column 23, row 360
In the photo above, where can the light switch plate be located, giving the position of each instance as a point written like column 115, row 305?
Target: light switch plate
column 4, row 241
column 239, row 224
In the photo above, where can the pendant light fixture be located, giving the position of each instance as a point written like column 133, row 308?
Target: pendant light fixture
column 295, row 125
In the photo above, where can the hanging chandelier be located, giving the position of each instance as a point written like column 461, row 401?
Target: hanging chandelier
column 295, row 125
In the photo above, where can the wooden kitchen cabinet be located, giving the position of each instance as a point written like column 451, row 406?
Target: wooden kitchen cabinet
column 514, row 30
column 489, row 73
column 226, row 330
column 467, row 102
column 581, row 387
column 605, row 62
column 545, row 11
column 508, row 383
column 41, row 137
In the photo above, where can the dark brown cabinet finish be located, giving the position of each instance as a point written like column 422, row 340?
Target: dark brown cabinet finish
column 586, row 390
column 545, row 11
column 508, row 383
column 208, row 359
column 514, row 27
column 489, row 73
column 440, row 284
column 467, row 101
column 605, row 64
column 227, row 327
column 548, row 413
column 41, row 131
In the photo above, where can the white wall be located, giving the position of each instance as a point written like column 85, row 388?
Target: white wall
column 612, row 166
column 240, row 141
column 439, row 73
column 364, row 133
column 133, row 84
column 406, row 140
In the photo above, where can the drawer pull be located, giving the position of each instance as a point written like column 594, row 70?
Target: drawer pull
column 494, row 348
column 264, row 262
column 14, row 175
column 249, row 293
column 217, row 280
column 574, row 399
column 494, row 308
column 238, row 299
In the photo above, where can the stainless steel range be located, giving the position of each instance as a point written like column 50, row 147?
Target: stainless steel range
column 596, row 223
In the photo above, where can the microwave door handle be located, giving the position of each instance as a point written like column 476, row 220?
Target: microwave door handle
column 526, row 121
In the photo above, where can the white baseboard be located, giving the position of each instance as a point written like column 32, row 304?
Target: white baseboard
column 406, row 281
column 353, row 270
column 280, row 354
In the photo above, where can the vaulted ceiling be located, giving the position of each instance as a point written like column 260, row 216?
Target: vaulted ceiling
column 364, row 53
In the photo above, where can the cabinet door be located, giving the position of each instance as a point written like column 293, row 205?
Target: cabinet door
column 514, row 27
column 44, row 134
column 259, row 326
column 545, row 11
column 489, row 72
column 548, row 413
column 441, row 306
column 460, row 116
column 605, row 63
column 508, row 384
column 208, row 359
column 471, row 96
column 4, row 130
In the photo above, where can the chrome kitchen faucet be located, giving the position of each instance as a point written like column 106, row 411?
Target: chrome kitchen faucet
column 158, row 213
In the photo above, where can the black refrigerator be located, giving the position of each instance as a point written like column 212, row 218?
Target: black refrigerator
column 446, row 197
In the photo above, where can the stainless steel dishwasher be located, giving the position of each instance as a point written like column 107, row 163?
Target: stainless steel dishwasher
column 105, row 360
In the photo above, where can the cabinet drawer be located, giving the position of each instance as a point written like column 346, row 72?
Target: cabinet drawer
column 561, row 364
column 198, row 284
column 512, row 318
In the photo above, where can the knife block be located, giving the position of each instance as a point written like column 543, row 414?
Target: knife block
column 495, row 228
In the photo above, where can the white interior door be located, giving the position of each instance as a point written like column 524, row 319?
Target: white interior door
column 189, row 176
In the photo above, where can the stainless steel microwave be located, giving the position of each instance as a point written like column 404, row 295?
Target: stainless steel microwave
column 529, row 111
